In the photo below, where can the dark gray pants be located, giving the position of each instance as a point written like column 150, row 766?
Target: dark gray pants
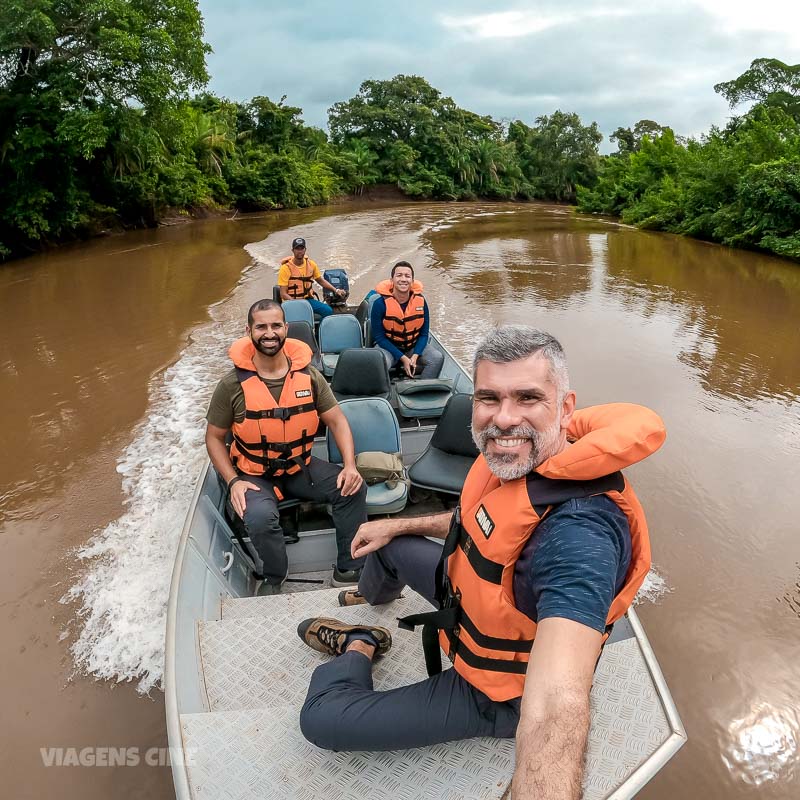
column 343, row 712
column 262, row 519
column 431, row 360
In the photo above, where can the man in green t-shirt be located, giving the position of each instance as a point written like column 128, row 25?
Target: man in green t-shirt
column 272, row 402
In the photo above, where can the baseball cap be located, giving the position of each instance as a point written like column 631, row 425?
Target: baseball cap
column 298, row 243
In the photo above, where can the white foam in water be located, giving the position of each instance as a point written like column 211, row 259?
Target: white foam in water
column 124, row 592
column 653, row 588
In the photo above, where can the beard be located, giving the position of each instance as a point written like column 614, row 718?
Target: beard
column 265, row 349
column 511, row 466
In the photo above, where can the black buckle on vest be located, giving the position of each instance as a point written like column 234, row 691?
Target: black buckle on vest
column 277, row 413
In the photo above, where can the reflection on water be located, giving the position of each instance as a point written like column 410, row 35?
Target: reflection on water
column 743, row 309
column 763, row 746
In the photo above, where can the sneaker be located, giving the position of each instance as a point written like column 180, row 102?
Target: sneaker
column 351, row 597
column 269, row 589
column 329, row 636
column 345, row 577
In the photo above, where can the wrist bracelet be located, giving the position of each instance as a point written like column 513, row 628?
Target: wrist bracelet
column 233, row 480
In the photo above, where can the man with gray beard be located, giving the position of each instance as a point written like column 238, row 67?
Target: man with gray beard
column 545, row 551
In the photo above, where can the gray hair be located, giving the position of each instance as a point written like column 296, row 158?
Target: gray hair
column 514, row 342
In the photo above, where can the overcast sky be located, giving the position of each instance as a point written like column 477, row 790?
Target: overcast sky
column 613, row 62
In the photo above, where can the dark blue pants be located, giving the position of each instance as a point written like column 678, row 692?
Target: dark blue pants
column 323, row 309
column 343, row 712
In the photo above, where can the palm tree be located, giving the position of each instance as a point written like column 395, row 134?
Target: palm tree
column 211, row 139
column 362, row 160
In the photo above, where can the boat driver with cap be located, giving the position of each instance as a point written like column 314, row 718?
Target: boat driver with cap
column 545, row 551
column 296, row 277
column 272, row 402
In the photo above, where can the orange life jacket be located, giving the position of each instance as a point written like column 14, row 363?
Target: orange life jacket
column 403, row 326
column 274, row 438
column 487, row 638
column 301, row 279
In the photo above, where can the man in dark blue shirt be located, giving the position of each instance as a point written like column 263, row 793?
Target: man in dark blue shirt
column 400, row 324
column 576, row 562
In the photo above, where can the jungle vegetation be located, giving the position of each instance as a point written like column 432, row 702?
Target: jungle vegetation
column 105, row 122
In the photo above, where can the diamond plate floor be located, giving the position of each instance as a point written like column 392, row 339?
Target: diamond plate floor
column 253, row 658
column 257, row 671
column 262, row 754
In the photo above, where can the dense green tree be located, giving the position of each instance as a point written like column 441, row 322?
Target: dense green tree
column 737, row 185
column 423, row 141
column 97, row 127
column 557, row 154
column 630, row 140
column 67, row 68
column 768, row 82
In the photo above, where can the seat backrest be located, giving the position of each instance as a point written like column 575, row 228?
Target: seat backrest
column 361, row 312
column 370, row 299
column 373, row 424
column 361, row 373
column 300, row 329
column 453, row 434
column 295, row 310
column 339, row 332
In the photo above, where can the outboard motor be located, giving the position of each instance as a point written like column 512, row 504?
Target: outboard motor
column 338, row 279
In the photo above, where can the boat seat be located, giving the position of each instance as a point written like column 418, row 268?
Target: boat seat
column 423, row 398
column 337, row 333
column 375, row 429
column 302, row 331
column 294, row 310
column 444, row 464
column 369, row 340
column 361, row 373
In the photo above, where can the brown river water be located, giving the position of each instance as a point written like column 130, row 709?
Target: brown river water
column 108, row 354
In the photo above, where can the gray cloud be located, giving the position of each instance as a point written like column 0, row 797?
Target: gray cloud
column 620, row 65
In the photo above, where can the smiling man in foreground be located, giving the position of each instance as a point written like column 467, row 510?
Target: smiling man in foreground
column 546, row 549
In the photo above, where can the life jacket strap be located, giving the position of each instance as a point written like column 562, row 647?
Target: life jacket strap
column 546, row 492
column 280, row 413
column 262, row 446
column 432, row 622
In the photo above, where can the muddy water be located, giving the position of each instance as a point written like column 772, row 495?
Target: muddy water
column 91, row 446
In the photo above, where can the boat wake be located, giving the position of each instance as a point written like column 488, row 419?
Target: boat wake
column 123, row 592
column 653, row 588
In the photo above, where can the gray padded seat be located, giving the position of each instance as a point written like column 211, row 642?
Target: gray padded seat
column 423, row 398
column 361, row 373
column 446, row 461
column 294, row 310
column 374, row 427
column 337, row 333
column 365, row 309
column 302, row 331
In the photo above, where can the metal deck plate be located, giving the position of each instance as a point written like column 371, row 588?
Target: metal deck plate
column 257, row 671
column 262, row 754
